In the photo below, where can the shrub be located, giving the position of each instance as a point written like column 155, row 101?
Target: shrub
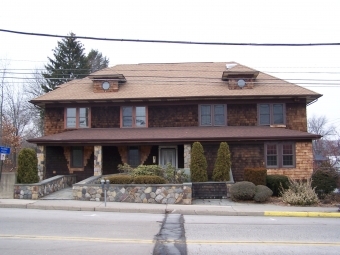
column 148, row 170
column 222, row 164
column 198, row 166
column 27, row 166
column 120, row 179
column 276, row 183
column 262, row 193
column 125, row 168
column 149, row 179
column 255, row 175
column 324, row 180
column 300, row 193
column 172, row 175
column 242, row 191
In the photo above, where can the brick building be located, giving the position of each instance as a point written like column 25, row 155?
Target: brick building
column 152, row 113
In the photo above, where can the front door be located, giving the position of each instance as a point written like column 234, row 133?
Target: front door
column 168, row 155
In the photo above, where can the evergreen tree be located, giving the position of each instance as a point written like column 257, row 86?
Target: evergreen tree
column 198, row 166
column 222, row 164
column 97, row 61
column 70, row 62
column 27, row 166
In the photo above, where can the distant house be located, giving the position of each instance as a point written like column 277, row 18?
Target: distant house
column 152, row 113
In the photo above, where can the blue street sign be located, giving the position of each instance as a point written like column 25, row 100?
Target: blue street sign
column 5, row 150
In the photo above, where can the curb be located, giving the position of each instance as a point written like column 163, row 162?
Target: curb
column 303, row 214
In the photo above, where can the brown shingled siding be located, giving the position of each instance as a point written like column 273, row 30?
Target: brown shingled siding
column 173, row 116
column 304, row 163
column 54, row 121
column 296, row 117
column 245, row 155
column 105, row 117
column 242, row 114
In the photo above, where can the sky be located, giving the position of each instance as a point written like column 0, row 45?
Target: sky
column 242, row 21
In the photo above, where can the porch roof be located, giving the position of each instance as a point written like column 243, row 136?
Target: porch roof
column 172, row 135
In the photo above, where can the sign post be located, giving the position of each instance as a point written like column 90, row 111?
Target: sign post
column 3, row 152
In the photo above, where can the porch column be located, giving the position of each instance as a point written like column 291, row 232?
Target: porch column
column 41, row 162
column 187, row 155
column 98, row 160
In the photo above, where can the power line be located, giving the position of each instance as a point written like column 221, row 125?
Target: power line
column 172, row 42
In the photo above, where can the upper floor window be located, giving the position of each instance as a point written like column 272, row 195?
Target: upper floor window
column 280, row 155
column 134, row 116
column 271, row 114
column 77, row 117
column 212, row 115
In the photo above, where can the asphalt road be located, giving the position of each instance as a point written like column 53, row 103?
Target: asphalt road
column 39, row 232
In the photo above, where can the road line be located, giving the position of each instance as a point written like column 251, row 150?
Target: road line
column 78, row 239
column 303, row 214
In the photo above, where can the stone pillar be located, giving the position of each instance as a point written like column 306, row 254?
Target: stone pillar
column 98, row 160
column 41, row 162
column 187, row 155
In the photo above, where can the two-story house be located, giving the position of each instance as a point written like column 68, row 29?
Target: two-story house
column 152, row 113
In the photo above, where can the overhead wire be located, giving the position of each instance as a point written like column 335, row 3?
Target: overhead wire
column 172, row 41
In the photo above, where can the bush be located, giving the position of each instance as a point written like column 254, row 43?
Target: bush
column 222, row 164
column 324, row 180
column 198, row 166
column 242, row 191
column 120, row 179
column 300, row 193
column 148, row 170
column 255, row 175
column 27, row 166
column 276, row 183
column 149, row 179
column 172, row 175
column 125, row 168
column 262, row 193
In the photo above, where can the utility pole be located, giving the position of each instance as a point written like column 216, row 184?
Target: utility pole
column 1, row 107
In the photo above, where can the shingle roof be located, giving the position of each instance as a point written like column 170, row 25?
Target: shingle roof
column 178, row 80
column 172, row 134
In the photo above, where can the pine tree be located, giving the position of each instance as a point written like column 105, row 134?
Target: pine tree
column 222, row 164
column 27, row 166
column 70, row 62
column 198, row 166
column 97, row 61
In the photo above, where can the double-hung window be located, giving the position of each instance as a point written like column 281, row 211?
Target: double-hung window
column 77, row 117
column 280, row 155
column 134, row 116
column 271, row 114
column 212, row 115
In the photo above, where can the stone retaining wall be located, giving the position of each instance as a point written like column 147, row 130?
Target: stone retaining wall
column 43, row 188
column 136, row 193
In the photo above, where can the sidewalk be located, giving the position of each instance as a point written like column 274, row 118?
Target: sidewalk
column 199, row 207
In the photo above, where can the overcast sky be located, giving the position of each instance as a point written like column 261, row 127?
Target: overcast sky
column 185, row 20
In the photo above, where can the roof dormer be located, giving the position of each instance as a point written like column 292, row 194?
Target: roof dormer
column 240, row 79
column 107, row 83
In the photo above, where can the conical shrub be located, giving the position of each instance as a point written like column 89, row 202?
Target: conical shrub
column 222, row 164
column 27, row 166
column 198, row 166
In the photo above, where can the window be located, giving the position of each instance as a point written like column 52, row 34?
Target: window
column 77, row 156
column 212, row 115
column 271, row 114
column 134, row 116
column 133, row 156
column 77, row 117
column 280, row 155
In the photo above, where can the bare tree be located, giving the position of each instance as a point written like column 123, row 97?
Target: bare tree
column 328, row 145
column 34, row 88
